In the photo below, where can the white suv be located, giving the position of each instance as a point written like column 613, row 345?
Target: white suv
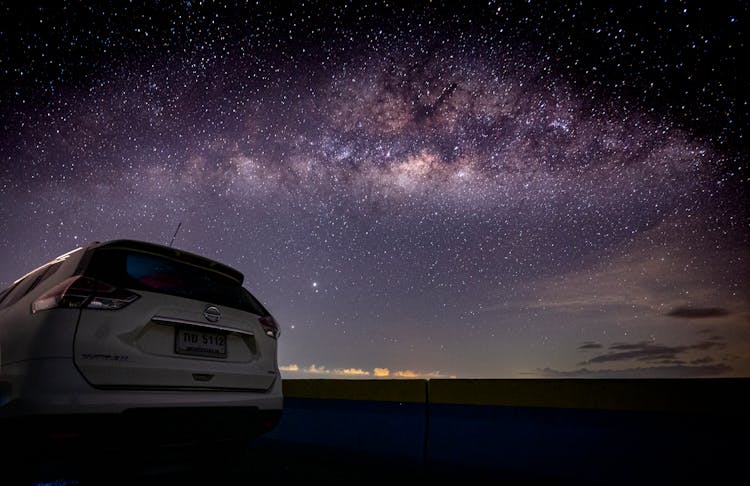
column 155, row 342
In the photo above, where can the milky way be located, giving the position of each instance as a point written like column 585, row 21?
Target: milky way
column 504, row 190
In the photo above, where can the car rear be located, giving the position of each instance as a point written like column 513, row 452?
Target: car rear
column 156, row 318
column 164, row 347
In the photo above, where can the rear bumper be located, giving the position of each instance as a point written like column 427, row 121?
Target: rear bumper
column 54, row 387
column 163, row 426
column 110, row 448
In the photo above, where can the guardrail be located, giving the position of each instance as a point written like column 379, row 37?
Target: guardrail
column 596, row 431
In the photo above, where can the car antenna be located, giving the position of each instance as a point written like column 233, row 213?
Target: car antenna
column 175, row 233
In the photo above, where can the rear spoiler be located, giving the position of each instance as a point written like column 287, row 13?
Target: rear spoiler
column 168, row 251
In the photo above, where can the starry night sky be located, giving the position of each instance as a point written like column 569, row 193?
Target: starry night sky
column 491, row 190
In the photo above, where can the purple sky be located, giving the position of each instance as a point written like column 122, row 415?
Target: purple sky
column 504, row 189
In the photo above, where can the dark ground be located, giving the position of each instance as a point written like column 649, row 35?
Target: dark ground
column 262, row 461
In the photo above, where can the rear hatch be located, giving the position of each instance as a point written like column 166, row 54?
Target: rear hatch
column 160, row 318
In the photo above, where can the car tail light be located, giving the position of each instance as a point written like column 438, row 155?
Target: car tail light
column 84, row 292
column 270, row 326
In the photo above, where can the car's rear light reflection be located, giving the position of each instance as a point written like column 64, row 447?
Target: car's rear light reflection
column 84, row 292
column 270, row 326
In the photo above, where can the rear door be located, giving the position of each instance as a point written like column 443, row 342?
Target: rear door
column 186, row 325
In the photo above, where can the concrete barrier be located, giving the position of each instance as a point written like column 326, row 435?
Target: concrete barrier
column 383, row 419
column 583, row 431
column 669, row 395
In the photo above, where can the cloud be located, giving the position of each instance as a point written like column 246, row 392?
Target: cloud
column 316, row 370
column 651, row 352
column 421, row 375
column 381, row 372
column 697, row 312
column 351, row 371
column 653, row 277
column 406, row 374
column 675, row 371
column 589, row 345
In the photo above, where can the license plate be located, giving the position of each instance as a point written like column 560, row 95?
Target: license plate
column 200, row 343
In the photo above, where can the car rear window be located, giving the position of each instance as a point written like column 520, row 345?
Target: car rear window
column 158, row 273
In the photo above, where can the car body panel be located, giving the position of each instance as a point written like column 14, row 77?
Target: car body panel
column 75, row 361
column 135, row 346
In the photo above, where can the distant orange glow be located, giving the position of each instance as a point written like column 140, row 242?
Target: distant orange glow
column 313, row 371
